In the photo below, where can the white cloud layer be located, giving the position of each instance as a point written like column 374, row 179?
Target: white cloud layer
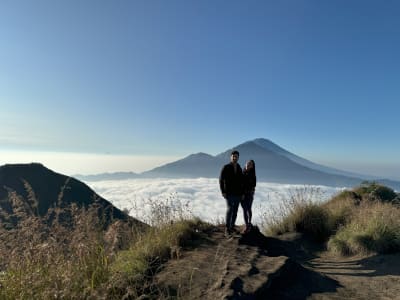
column 202, row 196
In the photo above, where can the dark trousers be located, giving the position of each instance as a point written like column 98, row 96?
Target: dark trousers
column 232, row 203
column 246, row 205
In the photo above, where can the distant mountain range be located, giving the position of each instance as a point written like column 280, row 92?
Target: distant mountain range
column 36, row 190
column 273, row 164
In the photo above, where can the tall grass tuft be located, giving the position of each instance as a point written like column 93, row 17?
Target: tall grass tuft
column 374, row 227
column 51, row 262
column 173, row 227
column 363, row 220
column 69, row 254
column 299, row 212
column 340, row 208
column 134, row 268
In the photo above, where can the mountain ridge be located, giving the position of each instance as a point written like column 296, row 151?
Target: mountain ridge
column 39, row 190
column 305, row 162
column 273, row 164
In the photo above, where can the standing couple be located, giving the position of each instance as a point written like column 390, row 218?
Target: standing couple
column 237, row 186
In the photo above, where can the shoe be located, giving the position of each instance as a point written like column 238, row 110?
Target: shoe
column 228, row 233
column 248, row 228
column 235, row 230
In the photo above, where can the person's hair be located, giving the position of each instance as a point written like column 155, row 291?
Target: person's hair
column 254, row 166
column 235, row 152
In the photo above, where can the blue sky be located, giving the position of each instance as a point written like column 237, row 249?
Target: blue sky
column 164, row 79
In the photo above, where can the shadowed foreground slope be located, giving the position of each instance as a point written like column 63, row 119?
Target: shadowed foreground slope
column 254, row 266
column 248, row 267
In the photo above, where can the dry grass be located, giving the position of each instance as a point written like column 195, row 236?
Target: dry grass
column 67, row 254
column 299, row 212
column 363, row 220
column 340, row 209
column 374, row 227
column 41, row 261
column 135, row 267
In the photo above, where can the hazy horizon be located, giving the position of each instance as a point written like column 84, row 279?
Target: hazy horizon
column 91, row 164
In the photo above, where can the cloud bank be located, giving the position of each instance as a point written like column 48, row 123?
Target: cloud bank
column 200, row 196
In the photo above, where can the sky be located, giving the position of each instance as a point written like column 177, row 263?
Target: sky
column 134, row 84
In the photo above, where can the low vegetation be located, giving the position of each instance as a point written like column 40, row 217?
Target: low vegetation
column 360, row 221
column 44, row 258
column 299, row 212
column 68, row 254
column 135, row 267
column 374, row 227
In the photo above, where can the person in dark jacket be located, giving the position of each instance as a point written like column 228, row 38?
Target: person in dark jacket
column 249, row 186
column 231, row 185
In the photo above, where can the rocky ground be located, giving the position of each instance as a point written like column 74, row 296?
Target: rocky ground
column 253, row 266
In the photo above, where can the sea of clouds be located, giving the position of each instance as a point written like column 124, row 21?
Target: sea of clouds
column 201, row 197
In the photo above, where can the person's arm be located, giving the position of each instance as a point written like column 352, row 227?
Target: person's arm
column 242, row 179
column 222, row 182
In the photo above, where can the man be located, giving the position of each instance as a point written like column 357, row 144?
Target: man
column 231, row 185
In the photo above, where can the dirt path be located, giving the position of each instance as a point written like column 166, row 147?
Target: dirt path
column 259, row 267
column 374, row 277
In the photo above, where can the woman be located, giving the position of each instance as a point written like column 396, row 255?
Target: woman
column 250, row 180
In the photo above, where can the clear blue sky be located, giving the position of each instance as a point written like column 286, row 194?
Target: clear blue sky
column 169, row 78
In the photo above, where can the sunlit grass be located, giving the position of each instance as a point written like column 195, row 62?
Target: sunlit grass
column 374, row 227
column 363, row 220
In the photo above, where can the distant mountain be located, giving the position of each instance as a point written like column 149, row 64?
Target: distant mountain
column 267, row 144
column 273, row 164
column 108, row 176
column 38, row 189
column 192, row 166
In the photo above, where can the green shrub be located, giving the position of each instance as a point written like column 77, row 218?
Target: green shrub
column 375, row 191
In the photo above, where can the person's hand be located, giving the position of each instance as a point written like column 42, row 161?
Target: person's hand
column 224, row 195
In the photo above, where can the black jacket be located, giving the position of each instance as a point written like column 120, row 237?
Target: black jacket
column 249, row 181
column 229, row 182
